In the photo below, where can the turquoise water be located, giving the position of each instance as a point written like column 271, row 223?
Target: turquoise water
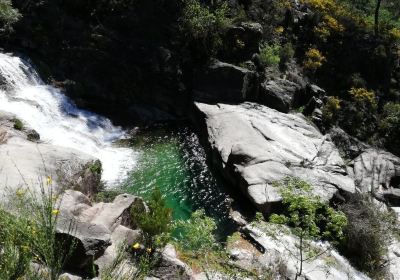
column 172, row 160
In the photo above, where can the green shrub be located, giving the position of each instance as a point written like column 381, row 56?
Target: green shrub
column 204, row 23
column 270, row 55
column 286, row 53
column 197, row 234
column 367, row 234
column 18, row 125
column 8, row 15
column 156, row 222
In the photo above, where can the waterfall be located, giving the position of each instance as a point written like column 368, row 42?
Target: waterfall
column 59, row 122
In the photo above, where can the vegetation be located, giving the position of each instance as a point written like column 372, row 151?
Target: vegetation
column 390, row 126
column 8, row 15
column 18, row 125
column 155, row 222
column 367, row 234
column 307, row 216
column 29, row 236
column 269, row 55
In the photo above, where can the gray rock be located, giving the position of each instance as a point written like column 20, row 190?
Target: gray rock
column 92, row 227
column 223, row 82
column 378, row 172
column 349, row 147
column 67, row 276
column 278, row 94
column 280, row 255
column 170, row 267
column 253, row 146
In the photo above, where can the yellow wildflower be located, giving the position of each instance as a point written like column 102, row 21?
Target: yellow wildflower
column 20, row 193
column 49, row 181
column 55, row 212
column 148, row 250
column 279, row 29
column 136, row 246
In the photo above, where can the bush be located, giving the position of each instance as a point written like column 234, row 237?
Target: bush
column 331, row 109
column 270, row 55
column 204, row 24
column 8, row 15
column 156, row 222
column 367, row 234
column 389, row 126
column 18, row 125
column 197, row 234
column 286, row 53
column 313, row 59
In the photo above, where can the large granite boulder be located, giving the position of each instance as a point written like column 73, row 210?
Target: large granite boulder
column 224, row 82
column 93, row 228
column 254, row 146
column 378, row 172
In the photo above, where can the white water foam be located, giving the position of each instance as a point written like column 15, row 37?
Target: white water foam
column 59, row 122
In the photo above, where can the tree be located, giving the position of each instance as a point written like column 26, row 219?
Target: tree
column 377, row 9
column 308, row 216
column 8, row 15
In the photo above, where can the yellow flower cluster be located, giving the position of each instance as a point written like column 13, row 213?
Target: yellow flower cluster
column 314, row 59
column 279, row 29
column 395, row 33
column 363, row 96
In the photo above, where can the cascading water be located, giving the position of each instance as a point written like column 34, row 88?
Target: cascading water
column 59, row 121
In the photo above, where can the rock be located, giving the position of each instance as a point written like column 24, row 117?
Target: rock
column 32, row 135
column 394, row 260
column 378, row 172
column 67, row 276
column 349, row 147
column 278, row 94
column 27, row 164
column 92, row 227
column 280, row 256
column 243, row 40
column 253, row 146
column 170, row 267
column 223, row 82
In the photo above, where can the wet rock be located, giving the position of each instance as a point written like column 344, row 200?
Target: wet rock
column 253, row 146
column 224, row 82
column 32, row 135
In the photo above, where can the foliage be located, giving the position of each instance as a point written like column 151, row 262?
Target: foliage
column 367, row 234
column 286, row 53
column 156, row 222
column 306, row 214
column 197, row 234
column 389, row 127
column 18, row 125
column 363, row 97
column 29, row 235
column 270, row 55
column 313, row 59
column 8, row 15
column 331, row 109
column 204, row 23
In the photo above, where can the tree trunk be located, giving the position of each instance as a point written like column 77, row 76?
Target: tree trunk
column 300, row 272
column 377, row 9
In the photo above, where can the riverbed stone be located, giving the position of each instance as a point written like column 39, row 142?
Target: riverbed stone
column 253, row 146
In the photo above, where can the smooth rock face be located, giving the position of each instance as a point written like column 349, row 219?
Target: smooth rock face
column 224, row 82
column 281, row 255
column 24, row 163
column 378, row 172
column 253, row 146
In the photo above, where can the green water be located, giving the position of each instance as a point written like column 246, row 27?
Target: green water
column 173, row 161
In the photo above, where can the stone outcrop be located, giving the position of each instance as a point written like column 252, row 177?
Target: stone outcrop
column 224, row 82
column 378, row 172
column 278, row 254
column 26, row 163
column 254, row 146
column 94, row 228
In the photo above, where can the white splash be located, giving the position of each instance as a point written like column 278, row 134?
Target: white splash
column 59, row 121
